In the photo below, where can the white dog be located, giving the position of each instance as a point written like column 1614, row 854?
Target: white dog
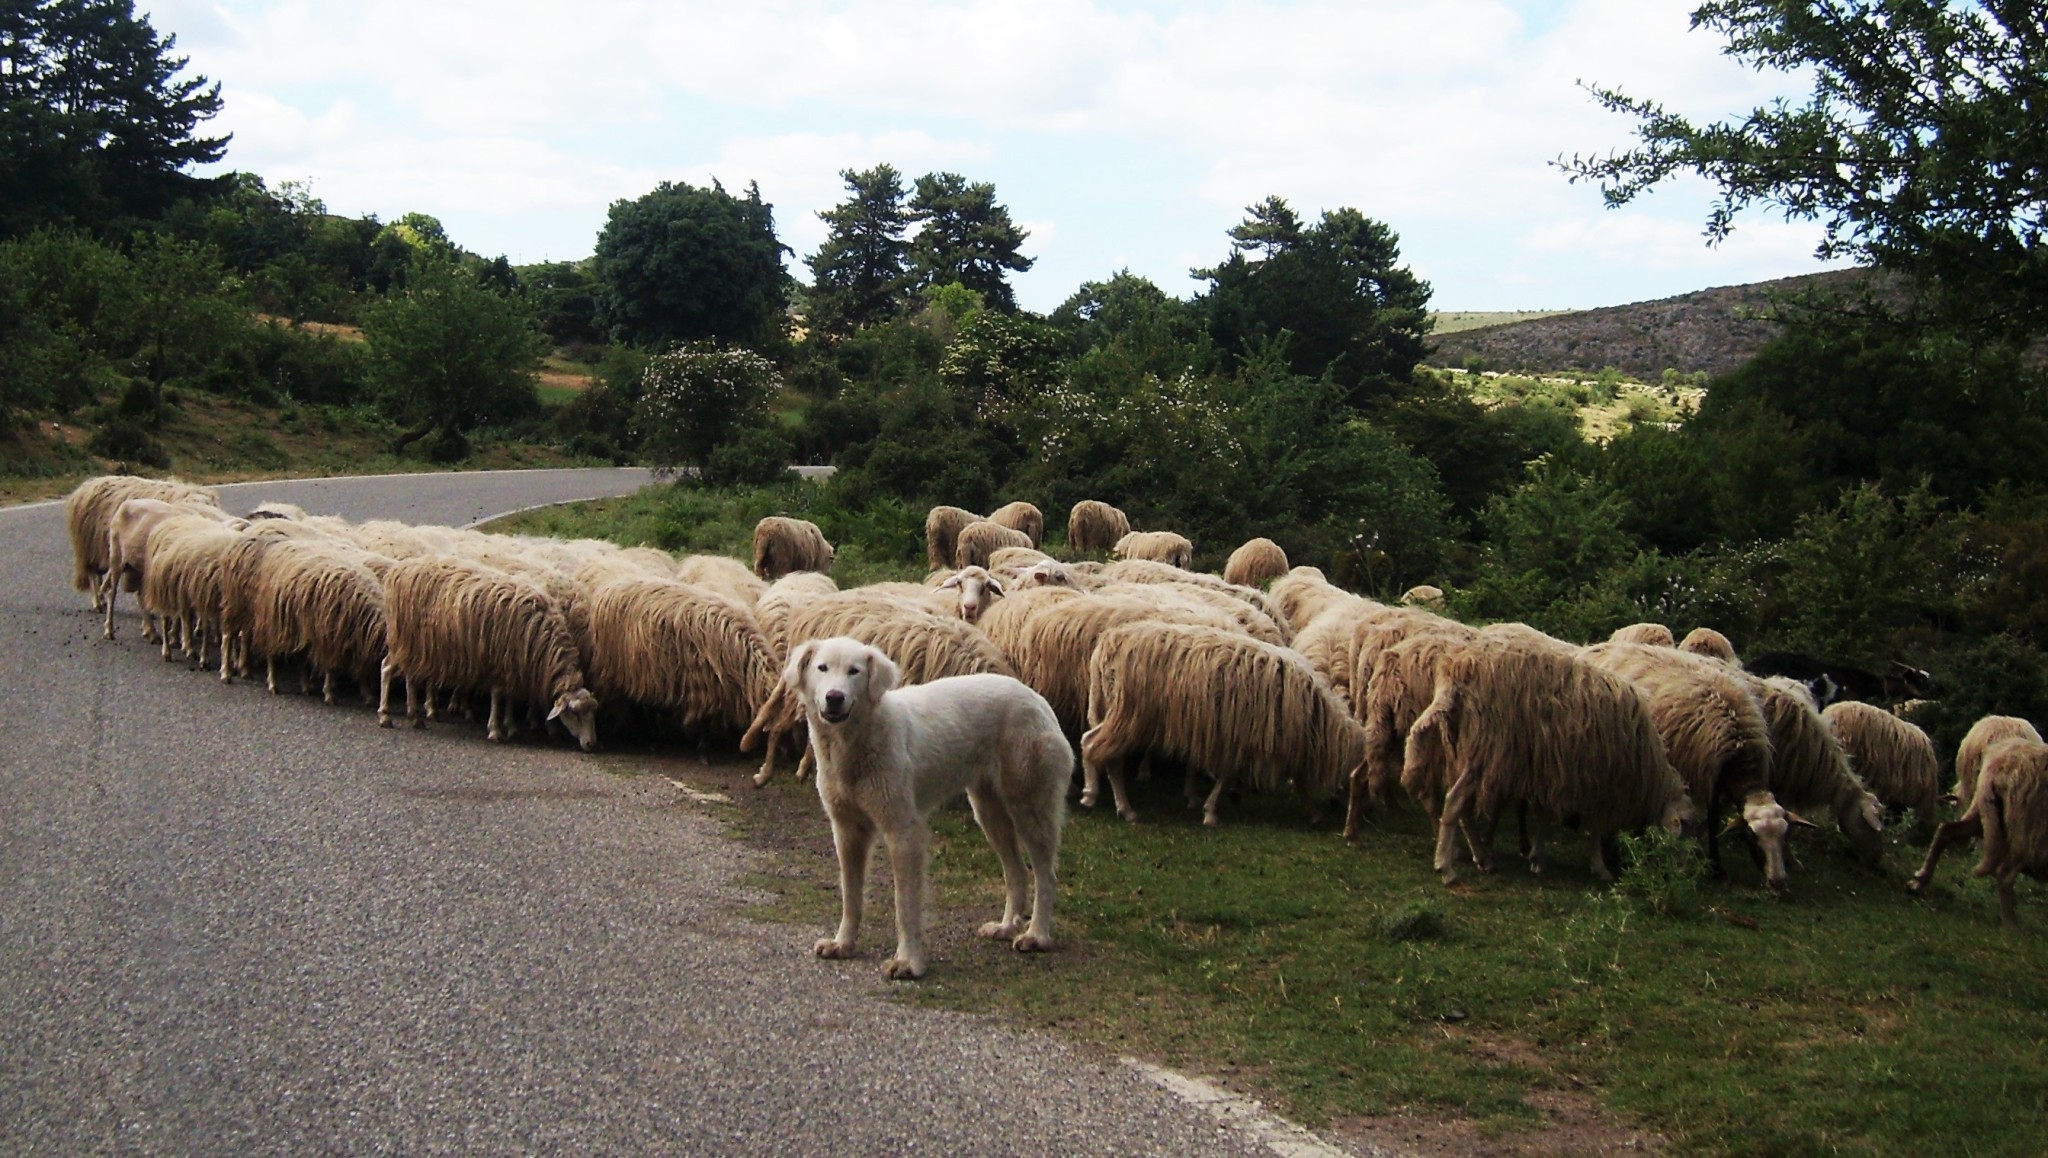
column 887, row 757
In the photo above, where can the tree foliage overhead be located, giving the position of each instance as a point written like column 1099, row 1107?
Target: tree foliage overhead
column 684, row 264
column 1922, row 147
column 964, row 237
column 95, row 122
column 862, row 269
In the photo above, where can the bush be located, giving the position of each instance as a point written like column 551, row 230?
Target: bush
column 125, row 441
column 1661, row 872
column 448, row 447
column 759, row 457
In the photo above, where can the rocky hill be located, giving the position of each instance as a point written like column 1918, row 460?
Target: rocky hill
column 1714, row 330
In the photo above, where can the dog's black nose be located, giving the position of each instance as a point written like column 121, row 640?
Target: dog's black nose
column 835, row 698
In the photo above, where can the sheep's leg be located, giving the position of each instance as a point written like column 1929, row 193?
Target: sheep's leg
column 412, row 702
column 1449, row 821
column 1145, row 768
column 767, row 771
column 1001, row 830
column 200, row 661
column 1356, row 803
column 270, row 673
column 227, row 651
column 327, row 687
column 1536, row 842
column 807, row 764
column 1215, row 796
column 2008, row 908
column 112, row 594
column 1968, row 828
column 384, row 694
column 853, row 837
column 1191, row 790
column 497, row 706
column 306, row 676
column 1092, row 742
column 1601, row 872
column 1120, row 793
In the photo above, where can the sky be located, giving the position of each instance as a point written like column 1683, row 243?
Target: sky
column 1122, row 134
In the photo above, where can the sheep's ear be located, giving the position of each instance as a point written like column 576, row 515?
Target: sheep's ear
column 1734, row 822
column 1799, row 820
column 560, row 703
column 995, row 586
column 793, row 672
column 952, row 583
column 883, row 674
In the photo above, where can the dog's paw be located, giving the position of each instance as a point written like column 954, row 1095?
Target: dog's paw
column 1031, row 943
column 1002, row 929
column 831, row 949
column 900, row 969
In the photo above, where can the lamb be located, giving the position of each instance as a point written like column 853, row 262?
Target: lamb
column 1893, row 757
column 782, row 545
column 784, row 598
column 1708, row 642
column 323, row 601
column 1238, row 709
column 1257, row 563
column 1021, row 516
column 671, row 647
column 1398, row 683
column 462, row 625
column 1600, row 764
column 979, row 540
column 90, row 507
column 942, row 532
column 729, row 577
column 127, row 550
column 1809, row 768
column 1647, row 634
column 1095, row 526
column 1715, row 736
column 2009, row 810
column 1158, row 546
column 1978, row 741
column 1303, row 593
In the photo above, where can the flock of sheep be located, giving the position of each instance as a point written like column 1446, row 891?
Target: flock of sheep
column 1267, row 678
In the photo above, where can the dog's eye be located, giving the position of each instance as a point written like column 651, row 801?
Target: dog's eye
column 824, row 667
column 853, row 671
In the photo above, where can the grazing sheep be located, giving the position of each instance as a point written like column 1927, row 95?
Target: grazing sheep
column 1326, row 642
column 1424, row 595
column 181, row 581
column 1894, row 758
column 1158, row 546
column 2009, row 810
column 782, row 545
column 1708, row 642
column 1977, row 741
column 1218, row 702
column 1021, row 516
column 322, row 601
column 978, row 542
column 467, row 627
column 1245, row 617
column 1257, row 563
column 1095, row 526
column 90, row 507
column 127, row 550
column 1399, row 681
column 942, row 532
column 1012, row 561
column 690, row 651
column 1600, row 764
column 1528, row 636
column 1647, row 634
column 1715, row 735
column 1373, row 635
column 1053, row 573
column 277, row 510
column 784, row 598
column 1810, row 770
column 1050, row 648
column 730, row 577
column 1303, row 593
column 395, row 540
column 1148, row 571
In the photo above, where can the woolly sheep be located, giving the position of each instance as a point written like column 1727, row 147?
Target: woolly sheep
column 2009, row 810
column 1372, row 635
column 730, row 577
column 784, row 598
column 89, row 508
column 1053, row 573
column 1715, row 736
column 464, row 626
column 1600, row 764
column 1894, row 758
column 1303, row 593
column 1647, row 634
column 1529, row 636
column 1245, row 617
column 690, row 651
column 1218, row 702
column 1399, row 682
column 1095, row 526
column 1977, row 741
column 127, row 551
column 1021, row 516
column 1257, row 563
column 1148, row 571
column 1423, row 595
column 1015, row 560
column 979, row 540
column 1325, row 642
column 181, row 583
column 322, row 601
column 782, row 545
column 1708, row 642
column 276, row 510
column 1158, row 546
column 942, row 532
column 1809, row 768
column 1050, row 649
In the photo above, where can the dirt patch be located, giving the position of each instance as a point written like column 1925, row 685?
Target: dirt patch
column 1573, row 1123
column 562, row 380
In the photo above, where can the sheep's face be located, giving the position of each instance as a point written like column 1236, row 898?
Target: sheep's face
column 1862, row 822
column 578, row 712
column 1769, row 824
column 1680, row 817
column 978, row 589
column 836, row 678
column 1046, row 574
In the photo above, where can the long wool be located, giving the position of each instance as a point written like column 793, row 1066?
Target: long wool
column 1004, row 624
column 1713, row 730
column 1373, row 635
column 676, row 648
column 467, row 627
column 782, row 545
column 1708, row 642
column 1399, row 685
column 1149, row 571
column 90, row 507
column 1303, row 593
column 1247, row 617
column 727, row 576
column 2011, row 798
column 1647, row 634
column 1528, row 636
column 1808, row 767
column 942, row 532
column 1095, row 526
column 1326, row 642
column 1257, row 563
column 1021, row 516
column 1223, row 704
column 323, row 601
column 1895, row 758
column 1051, row 650
column 1158, row 546
column 183, row 578
column 978, row 541
column 1978, row 741
column 1008, row 561
column 783, row 599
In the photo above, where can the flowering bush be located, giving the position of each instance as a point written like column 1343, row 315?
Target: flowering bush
column 697, row 398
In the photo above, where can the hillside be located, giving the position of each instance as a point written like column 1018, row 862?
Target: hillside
column 1711, row 330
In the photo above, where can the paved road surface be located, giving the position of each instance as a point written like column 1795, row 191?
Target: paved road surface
column 233, row 923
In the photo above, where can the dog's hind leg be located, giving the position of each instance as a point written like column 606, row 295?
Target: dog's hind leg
column 909, row 856
column 1038, row 833
column 996, row 823
column 854, row 838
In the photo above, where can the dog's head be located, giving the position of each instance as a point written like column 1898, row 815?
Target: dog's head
column 835, row 678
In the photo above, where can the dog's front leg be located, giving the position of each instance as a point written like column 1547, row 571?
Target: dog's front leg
column 853, row 837
column 909, row 852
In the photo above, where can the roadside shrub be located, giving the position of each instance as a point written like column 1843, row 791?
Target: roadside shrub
column 123, row 440
column 758, row 457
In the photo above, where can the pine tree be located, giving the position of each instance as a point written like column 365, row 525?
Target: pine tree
column 862, row 269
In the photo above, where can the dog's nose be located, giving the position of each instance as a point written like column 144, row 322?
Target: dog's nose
column 834, row 698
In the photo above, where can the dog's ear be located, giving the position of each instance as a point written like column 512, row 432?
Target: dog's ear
column 883, row 674
column 793, row 671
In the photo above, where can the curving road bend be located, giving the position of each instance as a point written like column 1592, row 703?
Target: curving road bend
column 238, row 923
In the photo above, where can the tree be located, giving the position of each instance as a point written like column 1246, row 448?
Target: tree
column 684, row 264
column 862, row 269
column 1920, row 148
column 185, row 308
column 964, row 237
column 448, row 354
column 698, row 398
column 95, row 123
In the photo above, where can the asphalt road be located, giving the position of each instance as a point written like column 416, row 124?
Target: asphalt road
column 238, row 923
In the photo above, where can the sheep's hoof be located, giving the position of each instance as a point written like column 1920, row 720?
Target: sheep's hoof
column 1208, row 820
column 1031, row 943
column 1088, row 799
column 383, row 719
column 1916, row 885
column 761, row 778
column 419, row 724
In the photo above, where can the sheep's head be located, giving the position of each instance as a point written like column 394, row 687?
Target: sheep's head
column 1680, row 817
column 1768, row 824
column 1862, row 821
column 978, row 590
column 578, row 712
column 1048, row 573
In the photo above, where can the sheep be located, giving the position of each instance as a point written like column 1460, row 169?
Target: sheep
column 1148, row 571
column 1326, row 642
column 979, row 540
column 127, row 551
column 1894, row 758
column 978, row 591
column 182, row 580
column 1303, row 593
column 1014, row 560
column 1053, row 573
column 2009, row 810
column 1219, row 702
column 276, row 510
column 1708, row 642
column 1978, row 741
column 1257, row 563
column 1809, row 768
column 465, row 626
column 1050, row 648
column 1528, row 636
column 1021, row 516
column 1717, row 738
column 1648, row 634
column 1095, row 526
column 1599, row 763
column 1424, row 595
column 941, row 532
column 730, row 577
column 395, row 540
column 89, row 508
column 1245, row 617
column 653, row 560
column 1158, row 546
column 784, row 598
column 1391, row 689
column 672, row 647
column 323, row 601
column 782, row 545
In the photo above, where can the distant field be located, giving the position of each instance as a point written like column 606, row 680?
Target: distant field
column 1452, row 321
